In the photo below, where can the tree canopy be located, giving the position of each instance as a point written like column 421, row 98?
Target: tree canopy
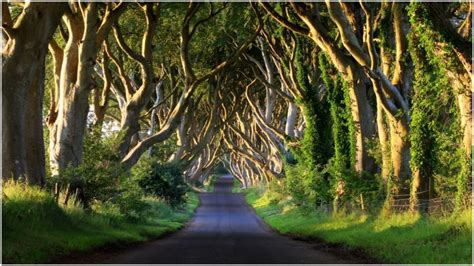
column 332, row 103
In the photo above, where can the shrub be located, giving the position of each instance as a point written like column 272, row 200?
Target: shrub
column 129, row 201
column 162, row 180
column 294, row 186
column 98, row 176
column 103, row 186
column 308, row 186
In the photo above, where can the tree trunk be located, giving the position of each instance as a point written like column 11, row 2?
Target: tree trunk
column 130, row 120
column 58, row 56
column 362, row 115
column 270, row 100
column 66, row 88
column 400, row 155
column 364, row 127
column 154, row 113
column 465, row 112
column 384, row 143
column 130, row 126
column 74, row 104
column 22, row 57
column 182, row 140
column 71, row 129
column 34, row 142
column 291, row 119
column 270, row 94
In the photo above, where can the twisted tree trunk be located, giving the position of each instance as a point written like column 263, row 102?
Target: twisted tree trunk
column 23, row 77
column 86, row 37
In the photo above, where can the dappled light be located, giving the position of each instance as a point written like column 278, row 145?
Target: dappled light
column 344, row 124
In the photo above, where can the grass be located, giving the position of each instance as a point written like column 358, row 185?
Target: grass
column 37, row 230
column 399, row 238
column 237, row 186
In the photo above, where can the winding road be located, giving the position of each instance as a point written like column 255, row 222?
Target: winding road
column 225, row 230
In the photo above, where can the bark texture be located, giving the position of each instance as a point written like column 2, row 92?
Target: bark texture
column 23, row 78
column 86, row 36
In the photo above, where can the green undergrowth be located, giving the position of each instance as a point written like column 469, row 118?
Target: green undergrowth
column 398, row 238
column 36, row 229
column 237, row 186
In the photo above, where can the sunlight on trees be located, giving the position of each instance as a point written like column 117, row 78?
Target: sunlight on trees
column 342, row 106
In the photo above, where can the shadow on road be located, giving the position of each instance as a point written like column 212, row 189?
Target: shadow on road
column 225, row 230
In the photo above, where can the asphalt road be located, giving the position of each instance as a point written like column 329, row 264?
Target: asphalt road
column 225, row 230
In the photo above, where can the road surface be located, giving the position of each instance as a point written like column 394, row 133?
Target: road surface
column 225, row 230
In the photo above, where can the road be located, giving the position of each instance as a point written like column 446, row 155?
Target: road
column 225, row 230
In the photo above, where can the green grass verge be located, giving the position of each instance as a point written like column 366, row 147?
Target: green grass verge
column 37, row 230
column 237, row 186
column 401, row 238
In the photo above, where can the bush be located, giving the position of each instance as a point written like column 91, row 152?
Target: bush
column 308, row 186
column 129, row 201
column 162, row 180
column 100, row 182
column 98, row 176
column 294, row 185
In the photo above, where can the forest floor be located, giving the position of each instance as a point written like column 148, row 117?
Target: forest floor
column 401, row 238
column 37, row 230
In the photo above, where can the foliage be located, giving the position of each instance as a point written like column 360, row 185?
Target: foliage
column 163, row 151
column 128, row 203
column 162, row 180
column 434, row 110
column 340, row 113
column 237, row 186
column 101, row 184
column 322, row 161
column 301, row 183
column 346, row 185
column 306, row 180
column 98, row 177
column 220, row 169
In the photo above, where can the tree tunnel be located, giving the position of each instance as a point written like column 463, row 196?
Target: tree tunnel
column 335, row 94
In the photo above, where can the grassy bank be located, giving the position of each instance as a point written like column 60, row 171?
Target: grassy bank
column 237, row 186
column 36, row 229
column 402, row 238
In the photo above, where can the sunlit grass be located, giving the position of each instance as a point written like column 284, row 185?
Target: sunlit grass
column 37, row 229
column 236, row 186
column 397, row 238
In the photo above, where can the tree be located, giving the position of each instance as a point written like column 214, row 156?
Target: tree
column 23, row 86
column 84, row 40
